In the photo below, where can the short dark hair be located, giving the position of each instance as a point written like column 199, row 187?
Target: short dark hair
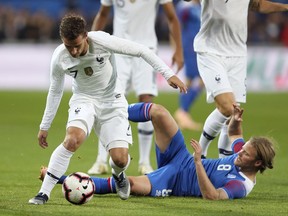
column 71, row 26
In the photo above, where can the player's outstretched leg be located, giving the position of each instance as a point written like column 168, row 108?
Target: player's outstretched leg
column 118, row 170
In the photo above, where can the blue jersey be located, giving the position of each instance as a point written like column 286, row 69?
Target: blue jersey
column 189, row 14
column 176, row 173
column 189, row 17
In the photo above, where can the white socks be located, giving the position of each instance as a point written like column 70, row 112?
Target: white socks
column 118, row 170
column 224, row 144
column 102, row 153
column 145, row 136
column 58, row 165
column 211, row 129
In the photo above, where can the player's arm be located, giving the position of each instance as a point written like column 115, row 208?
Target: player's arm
column 235, row 124
column 123, row 46
column 101, row 18
column 207, row 189
column 52, row 102
column 175, row 32
column 265, row 6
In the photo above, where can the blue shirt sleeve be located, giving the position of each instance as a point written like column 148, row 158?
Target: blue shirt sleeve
column 235, row 189
column 237, row 145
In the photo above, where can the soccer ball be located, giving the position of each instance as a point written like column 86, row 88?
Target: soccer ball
column 78, row 188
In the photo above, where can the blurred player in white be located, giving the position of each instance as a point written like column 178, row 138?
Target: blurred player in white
column 135, row 20
column 97, row 102
column 222, row 60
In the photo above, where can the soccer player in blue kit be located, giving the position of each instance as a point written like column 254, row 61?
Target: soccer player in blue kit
column 181, row 174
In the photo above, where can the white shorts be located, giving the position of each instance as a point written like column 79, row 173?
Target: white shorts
column 136, row 74
column 222, row 74
column 109, row 119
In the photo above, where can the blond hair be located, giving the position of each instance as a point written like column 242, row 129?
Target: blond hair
column 265, row 151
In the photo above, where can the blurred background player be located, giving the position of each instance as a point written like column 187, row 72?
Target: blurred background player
column 135, row 20
column 189, row 17
column 222, row 61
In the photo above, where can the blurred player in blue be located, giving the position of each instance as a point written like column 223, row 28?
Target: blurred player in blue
column 180, row 173
column 189, row 18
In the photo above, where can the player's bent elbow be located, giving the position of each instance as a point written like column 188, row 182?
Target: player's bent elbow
column 219, row 194
column 210, row 197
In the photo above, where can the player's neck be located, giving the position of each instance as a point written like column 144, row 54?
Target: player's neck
column 250, row 174
column 85, row 50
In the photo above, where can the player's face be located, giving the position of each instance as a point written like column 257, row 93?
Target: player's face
column 247, row 157
column 77, row 47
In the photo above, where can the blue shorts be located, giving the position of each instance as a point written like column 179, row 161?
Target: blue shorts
column 170, row 163
column 190, row 59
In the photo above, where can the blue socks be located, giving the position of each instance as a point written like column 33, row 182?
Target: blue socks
column 102, row 185
column 139, row 112
column 186, row 100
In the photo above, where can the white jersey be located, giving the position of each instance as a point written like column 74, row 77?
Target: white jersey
column 94, row 74
column 223, row 27
column 135, row 19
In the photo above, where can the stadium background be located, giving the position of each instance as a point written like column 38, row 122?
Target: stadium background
column 28, row 36
column 29, row 32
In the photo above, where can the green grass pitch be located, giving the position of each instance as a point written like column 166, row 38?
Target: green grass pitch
column 21, row 158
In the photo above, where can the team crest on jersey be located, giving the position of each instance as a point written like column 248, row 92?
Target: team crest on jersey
column 77, row 110
column 88, row 71
column 231, row 176
column 100, row 60
column 218, row 78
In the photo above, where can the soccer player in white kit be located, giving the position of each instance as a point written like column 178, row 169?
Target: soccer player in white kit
column 222, row 60
column 97, row 102
column 135, row 20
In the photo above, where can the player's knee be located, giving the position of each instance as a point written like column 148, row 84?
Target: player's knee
column 119, row 164
column 226, row 109
column 158, row 112
column 72, row 143
column 119, row 157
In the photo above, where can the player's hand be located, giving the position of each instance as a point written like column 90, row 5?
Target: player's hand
column 178, row 60
column 237, row 113
column 42, row 138
column 197, row 150
column 176, row 83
